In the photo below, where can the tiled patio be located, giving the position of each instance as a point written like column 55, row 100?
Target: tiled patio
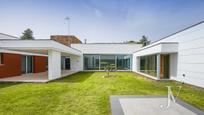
column 34, row 77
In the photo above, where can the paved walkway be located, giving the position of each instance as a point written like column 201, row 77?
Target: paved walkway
column 34, row 77
column 150, row 105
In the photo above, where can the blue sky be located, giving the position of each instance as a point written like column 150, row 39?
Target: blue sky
column 100, row 20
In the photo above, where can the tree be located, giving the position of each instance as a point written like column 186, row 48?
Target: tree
column 130, row 42
column 108, row 68
column 27, row 35
column 144, row 41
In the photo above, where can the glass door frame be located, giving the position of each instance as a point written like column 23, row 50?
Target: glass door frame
column 25, row 65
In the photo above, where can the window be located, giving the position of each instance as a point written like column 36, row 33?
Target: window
column 65, row 63
column 107, row 60
column 99, row 61
column 148, row 65
column 123, row 62
column 1, row 58
column 27, row 64
column 91, row 62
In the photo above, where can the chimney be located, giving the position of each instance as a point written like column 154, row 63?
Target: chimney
column 85, row 41
column 65, row 39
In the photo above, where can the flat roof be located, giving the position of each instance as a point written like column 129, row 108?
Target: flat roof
column 155, row 43
column 39, row 44
column 9, row 35
column 179, row 31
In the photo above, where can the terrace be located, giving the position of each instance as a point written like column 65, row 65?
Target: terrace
column 34, row 77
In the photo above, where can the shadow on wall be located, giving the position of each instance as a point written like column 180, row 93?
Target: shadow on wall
column 76, row 78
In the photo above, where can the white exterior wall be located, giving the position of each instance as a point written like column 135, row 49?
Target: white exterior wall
column 107, row 48
column 54, row 64
column 173, row 65
column 190, row 55
column 76, row 63
column 158, row 48
column 135, row 63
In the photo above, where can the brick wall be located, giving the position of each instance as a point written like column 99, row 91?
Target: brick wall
column 11, row 65
column 66, row 40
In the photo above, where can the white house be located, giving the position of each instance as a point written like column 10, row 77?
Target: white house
column 179, row 57
column 176, row 57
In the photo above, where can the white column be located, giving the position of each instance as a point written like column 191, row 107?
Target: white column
column 134, row 63
column 158, row 66
column 54, row 64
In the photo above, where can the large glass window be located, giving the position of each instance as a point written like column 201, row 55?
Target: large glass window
column 107, row 60
column 148, row 65
column 91, row 62
column 99, row 62
column 1, row 58
column 123, row 62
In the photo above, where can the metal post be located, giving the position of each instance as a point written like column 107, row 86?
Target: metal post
column 68, row 25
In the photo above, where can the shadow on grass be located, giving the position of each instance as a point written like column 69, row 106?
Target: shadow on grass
column 7, row 84
column 75, row 78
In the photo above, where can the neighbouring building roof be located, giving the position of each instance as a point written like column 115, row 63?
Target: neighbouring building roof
column 65, row 39
column 6, row 36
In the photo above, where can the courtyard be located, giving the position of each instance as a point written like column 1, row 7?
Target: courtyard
column 86, row 93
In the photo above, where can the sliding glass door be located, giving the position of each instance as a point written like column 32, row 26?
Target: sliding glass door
column 27, row 64
column 123, row 62
column 148, row 65
column 100, row 61
column 91, row 62
column 107, row 60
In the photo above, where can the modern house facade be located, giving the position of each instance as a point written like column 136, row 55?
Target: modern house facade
column 176, row 57
column 35, row 56
column 96, row 55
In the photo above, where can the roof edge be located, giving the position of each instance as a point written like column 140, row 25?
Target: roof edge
column 178, row 31
column 10, row 35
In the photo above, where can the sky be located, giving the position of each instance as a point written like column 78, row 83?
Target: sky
column 100, row 20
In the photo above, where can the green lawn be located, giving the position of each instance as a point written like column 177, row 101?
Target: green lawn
column 84, row 93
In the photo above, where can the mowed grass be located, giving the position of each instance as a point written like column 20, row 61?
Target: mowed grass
column 85, row 93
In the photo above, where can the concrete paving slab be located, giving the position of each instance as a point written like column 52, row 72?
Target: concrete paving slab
column 150, row 105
